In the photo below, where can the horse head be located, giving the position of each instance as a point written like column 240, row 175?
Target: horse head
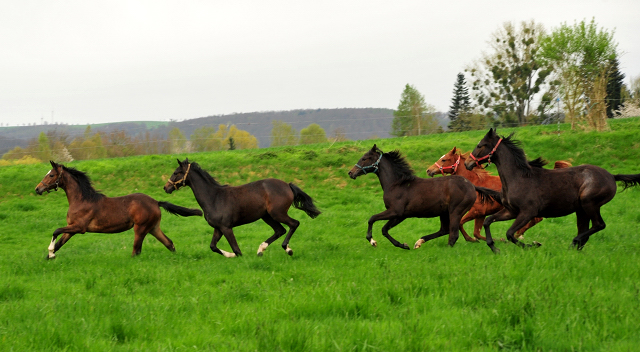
column 447, row 164
column 484, row 150
column 368, row 163
column 51, row 180
column 179, row 177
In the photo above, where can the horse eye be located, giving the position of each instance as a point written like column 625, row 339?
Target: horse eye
column 50, row 175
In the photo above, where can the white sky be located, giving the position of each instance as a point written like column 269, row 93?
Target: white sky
column 105, row 61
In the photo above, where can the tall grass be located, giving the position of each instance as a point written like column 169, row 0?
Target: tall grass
column 337, row 292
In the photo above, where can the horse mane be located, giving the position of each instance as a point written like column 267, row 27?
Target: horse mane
column 400, row 168
column 87, row 191
column 204, row 174
column 520, row 159
column 539, row 162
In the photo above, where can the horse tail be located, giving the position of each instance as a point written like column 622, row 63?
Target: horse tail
column 628, row 180
column 178, row 210
column 303, row 202
column 489, row 194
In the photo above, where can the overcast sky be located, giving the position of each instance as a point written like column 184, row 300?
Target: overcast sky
column 104, row 61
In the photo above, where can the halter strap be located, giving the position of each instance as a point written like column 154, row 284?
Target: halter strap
column 181, row 182
column 372, row 166
column 453, row 167
column 488, row 156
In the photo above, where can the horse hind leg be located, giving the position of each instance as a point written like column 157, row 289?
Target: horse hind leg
column 444, row 226
column 160, row 236
column 278, row 229
column 584, row 232
column 140, row 232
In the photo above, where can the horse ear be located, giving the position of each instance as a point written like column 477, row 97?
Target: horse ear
column 53, row 164
column 454, row 150
column 374, row 148
column 179, row 162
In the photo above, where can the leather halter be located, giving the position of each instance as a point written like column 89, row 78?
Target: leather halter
column 488, row 156
column 181, row 182
column 453, row 167
column 372, row 166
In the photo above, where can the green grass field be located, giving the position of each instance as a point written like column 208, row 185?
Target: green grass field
column 337, row 293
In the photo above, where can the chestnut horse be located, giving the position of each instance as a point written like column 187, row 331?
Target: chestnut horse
column 450, row 164
column 92, row 211
column 407, row 196
column 226, row 207
column 529, row 192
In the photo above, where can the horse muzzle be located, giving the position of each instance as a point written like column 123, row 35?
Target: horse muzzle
column 168, row 188
column 470, row 164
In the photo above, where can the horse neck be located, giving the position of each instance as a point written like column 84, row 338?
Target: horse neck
column 385, row 174
column 202, row 189
column 486, row 180
column 506, row 165
column 71, row 189
column 468, row 174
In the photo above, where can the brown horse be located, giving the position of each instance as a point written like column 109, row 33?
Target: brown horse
column 529, row 192
column 92, row 211
column 407, row 196
column 226, row 207
column 449, row 164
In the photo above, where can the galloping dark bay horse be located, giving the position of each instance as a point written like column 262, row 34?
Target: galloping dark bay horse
column 450, row 164
column 529, row 192
column 92, row 211
column 226, row 207
column 407, row 196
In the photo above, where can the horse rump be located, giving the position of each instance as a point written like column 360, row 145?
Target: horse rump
column 628, row 180
column 304, row 202
column 178, row 210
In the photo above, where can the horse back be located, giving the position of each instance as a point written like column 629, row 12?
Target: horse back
column 249, row 202
column 430, row 197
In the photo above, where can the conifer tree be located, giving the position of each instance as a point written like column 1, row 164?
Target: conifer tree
column 460, row 106
column 614, row 87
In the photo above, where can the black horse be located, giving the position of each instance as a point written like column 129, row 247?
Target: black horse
column 226, row 207
column 407, row 196
column 529, row 192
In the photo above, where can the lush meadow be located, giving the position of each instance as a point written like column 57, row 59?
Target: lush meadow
column 336, row 292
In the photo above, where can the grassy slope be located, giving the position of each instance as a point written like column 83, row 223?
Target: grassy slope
column 336, row 292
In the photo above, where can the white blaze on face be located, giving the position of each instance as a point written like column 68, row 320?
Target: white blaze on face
column 442, row 157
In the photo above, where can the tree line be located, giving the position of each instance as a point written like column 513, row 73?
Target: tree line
column 59, row 146
column 530, row 76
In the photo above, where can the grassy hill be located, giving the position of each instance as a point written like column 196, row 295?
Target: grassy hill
column 336, row 292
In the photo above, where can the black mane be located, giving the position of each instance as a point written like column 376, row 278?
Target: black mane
column 400, row 168
column 87, row 191
column 520, row 158
column 205, row 175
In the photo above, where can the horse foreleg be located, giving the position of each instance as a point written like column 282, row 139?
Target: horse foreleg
column 231, row 238
column 385, row 215
column 67, row 232
column 217, row 234
column 502, row 215
column 388, row 226
column 520, row 233
column 521, row 220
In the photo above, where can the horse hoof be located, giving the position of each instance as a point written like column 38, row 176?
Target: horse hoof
column 373, row 243
column 290, row 252
column 537, row 244
column 404, row 246
column 495, row 250
column 418, row 243
column 259, row 254
column 50, row 256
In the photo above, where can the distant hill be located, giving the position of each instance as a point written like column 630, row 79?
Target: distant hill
column 354, row 123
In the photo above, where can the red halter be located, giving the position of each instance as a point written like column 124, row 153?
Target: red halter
column 488, row 156
column 453, row 167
